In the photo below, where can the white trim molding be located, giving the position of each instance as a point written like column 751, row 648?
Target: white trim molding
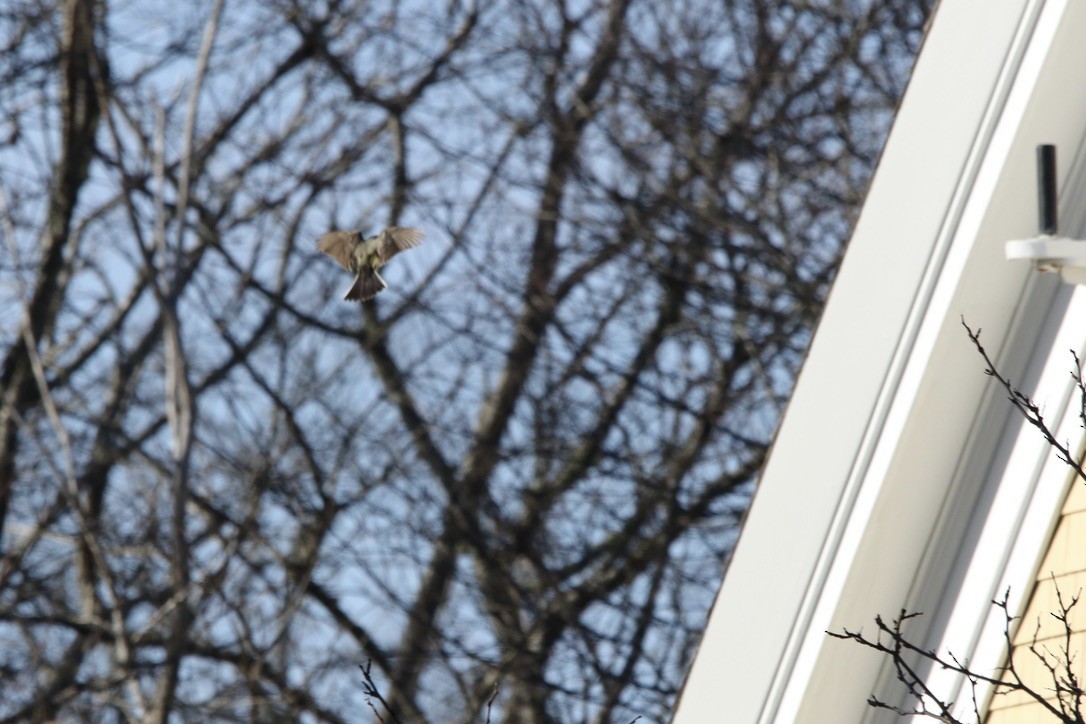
column 897, row 459
column 1029, row 489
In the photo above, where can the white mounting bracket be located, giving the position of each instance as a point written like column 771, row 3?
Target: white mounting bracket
column 1053, row 253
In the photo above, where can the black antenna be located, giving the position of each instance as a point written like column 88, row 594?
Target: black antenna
column 1046, row 188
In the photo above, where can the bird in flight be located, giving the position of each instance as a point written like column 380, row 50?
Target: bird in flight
column 365, row 256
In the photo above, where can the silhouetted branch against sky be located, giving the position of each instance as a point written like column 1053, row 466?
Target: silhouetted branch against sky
column 222, row 488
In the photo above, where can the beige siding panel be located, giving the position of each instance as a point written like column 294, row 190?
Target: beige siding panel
column 1035, row 673
column 1063, row 568
column 1020, row 715
column 1067, row 551
column 1038, row 623
column 1076, row 501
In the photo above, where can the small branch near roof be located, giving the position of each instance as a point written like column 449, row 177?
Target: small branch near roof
column 911, row 661
column 1029, row 409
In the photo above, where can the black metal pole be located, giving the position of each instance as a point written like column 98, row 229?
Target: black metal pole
column 1046, row 188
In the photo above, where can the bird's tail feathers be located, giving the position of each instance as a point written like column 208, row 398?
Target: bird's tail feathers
column 366, row 286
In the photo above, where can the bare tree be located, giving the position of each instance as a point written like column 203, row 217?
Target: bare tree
column 1060, row 695
column 222, row 488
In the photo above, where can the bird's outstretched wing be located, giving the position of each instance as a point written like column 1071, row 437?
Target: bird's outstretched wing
column 395, row 239
column 338, row 245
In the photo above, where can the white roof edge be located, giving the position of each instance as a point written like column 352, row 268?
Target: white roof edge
column 908, row 230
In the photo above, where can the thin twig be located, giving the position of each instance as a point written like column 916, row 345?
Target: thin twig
column 1029, row 409
column 490, row 702
column 370, row 690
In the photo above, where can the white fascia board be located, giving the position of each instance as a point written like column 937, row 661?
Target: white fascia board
column 1030, row 486
column 886, row 399
column 920, row 449
column 924, row 459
